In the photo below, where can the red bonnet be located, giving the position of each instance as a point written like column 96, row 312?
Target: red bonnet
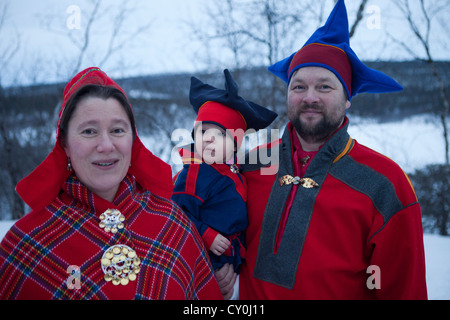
column 43, row 185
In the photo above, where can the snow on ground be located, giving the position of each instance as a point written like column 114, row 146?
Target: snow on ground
column 4, row 227
column 413, row 142
column 437, row 257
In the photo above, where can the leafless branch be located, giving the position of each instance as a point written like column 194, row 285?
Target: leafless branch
column 423, row 37
column 359, row 16
column 10, row 49
column 86, row 37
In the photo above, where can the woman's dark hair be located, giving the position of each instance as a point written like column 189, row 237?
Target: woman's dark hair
column 95, row 91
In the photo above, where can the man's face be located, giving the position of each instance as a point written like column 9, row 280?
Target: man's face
column 316, row 103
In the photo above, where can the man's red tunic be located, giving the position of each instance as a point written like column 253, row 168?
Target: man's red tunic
column 357, row 235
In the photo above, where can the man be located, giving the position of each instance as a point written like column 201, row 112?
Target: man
column 337, row 220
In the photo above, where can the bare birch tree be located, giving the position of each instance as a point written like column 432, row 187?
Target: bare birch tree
column 9, row 164
column 433, row 181
column 104, row 22
column 420, row 23
column 103, row 34
column 259, row 33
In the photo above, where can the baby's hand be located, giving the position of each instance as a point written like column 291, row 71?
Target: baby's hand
column 219, row 245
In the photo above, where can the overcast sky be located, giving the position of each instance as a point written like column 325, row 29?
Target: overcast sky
column 42, row 29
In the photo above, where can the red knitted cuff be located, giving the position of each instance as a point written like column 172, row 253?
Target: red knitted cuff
column 208, row 237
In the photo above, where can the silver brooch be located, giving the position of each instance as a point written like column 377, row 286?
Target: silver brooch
column 234, row 168
column 112, row 220
column 120, row 264
column 304, row 182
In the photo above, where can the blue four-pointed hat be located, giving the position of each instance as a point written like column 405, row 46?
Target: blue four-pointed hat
column 329, row 47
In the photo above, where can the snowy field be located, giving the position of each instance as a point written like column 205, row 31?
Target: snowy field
column 413, row 143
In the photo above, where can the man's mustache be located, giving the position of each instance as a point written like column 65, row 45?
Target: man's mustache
column 314, row 107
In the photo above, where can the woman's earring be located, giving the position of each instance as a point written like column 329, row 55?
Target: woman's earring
column 69, row 165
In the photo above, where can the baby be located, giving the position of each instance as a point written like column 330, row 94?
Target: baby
column 209, row 188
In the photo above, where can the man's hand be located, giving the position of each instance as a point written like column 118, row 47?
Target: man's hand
column 226, row 277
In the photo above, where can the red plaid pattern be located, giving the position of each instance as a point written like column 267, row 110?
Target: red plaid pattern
column 36, row 253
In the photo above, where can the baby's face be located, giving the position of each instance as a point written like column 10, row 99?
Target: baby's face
column 213, row 143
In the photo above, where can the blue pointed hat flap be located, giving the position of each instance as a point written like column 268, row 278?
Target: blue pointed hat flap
column 226, row 107
column 326, row 48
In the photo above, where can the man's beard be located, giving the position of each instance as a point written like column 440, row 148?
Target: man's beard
column 319, row 132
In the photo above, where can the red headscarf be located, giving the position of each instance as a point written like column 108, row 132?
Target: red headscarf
column 42, row 186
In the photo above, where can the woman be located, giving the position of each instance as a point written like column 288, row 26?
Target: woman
column 100, row 226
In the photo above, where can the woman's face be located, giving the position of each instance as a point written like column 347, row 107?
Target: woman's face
column 99, row 143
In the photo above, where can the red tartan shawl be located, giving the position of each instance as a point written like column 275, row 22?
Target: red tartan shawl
column 36, row 254
column 43, row 185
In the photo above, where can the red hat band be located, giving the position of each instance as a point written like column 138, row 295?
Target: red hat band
column 225, row 117
column 325, row 55
column 89, row 76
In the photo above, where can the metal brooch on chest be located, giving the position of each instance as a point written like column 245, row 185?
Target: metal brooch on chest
column 112, row 220
column 120, row 264
column 234, row 168
column 307, row 183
